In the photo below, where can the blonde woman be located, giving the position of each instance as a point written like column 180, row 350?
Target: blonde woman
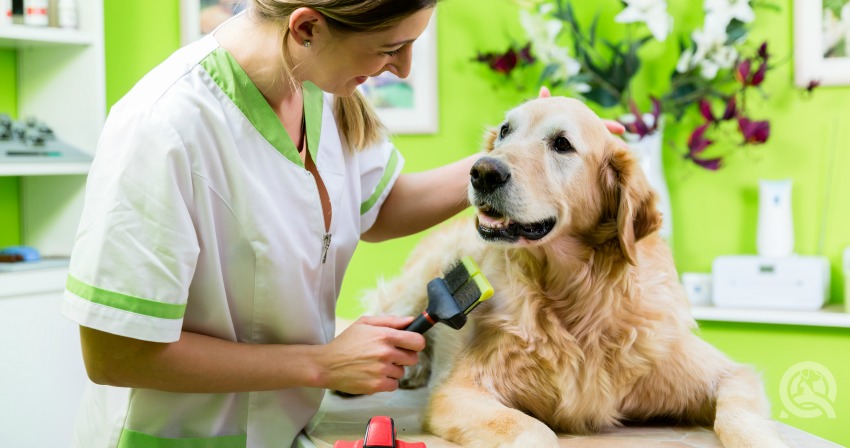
column 230, row 188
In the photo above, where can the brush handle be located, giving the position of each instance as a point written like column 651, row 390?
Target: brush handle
column 421, row 324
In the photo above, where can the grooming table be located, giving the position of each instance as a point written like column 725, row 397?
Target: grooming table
column 345, row 419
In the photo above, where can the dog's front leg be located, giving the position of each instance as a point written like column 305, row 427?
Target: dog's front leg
column 468, row 415
column 743, row 416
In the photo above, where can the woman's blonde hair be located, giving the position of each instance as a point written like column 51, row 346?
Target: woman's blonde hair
column 356, row 119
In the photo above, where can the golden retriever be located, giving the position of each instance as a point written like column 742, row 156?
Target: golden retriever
column 589, row 327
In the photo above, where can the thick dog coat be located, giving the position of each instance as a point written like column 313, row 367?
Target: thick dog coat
column 589, row 326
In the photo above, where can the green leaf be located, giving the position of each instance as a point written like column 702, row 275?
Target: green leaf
column 735, row 31
column 601, row 96
column 593, row 29
column 548, row 72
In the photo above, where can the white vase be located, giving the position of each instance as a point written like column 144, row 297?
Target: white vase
column 775, row 236
column 648, row 153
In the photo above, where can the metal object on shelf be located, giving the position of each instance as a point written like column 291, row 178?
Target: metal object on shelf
column 32, row 141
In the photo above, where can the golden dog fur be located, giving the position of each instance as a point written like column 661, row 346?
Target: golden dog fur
column 589, row 326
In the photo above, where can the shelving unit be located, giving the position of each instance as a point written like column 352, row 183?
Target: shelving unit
column 61, row 82
column 20, row 36
column 829, row 316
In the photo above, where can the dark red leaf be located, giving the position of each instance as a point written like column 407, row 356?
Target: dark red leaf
column 705, row 110
column 742, row 73
column 731, row 109
column 758, row 76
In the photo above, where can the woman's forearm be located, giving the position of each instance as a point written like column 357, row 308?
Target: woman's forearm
column 419, row 201
column 368, row 357
column 197, row 364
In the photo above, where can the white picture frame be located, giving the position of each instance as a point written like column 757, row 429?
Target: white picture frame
column 416, row 112
column 199, row 17
column 821, row 45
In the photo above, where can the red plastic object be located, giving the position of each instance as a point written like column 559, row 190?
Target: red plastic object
column 380, row 433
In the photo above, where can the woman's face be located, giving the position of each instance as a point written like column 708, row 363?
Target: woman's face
column 347, row 60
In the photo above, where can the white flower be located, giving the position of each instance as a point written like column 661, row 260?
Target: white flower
column 567, row 67
column 652, row 12
column 726, row 10
column 711, row 52
column 541, row 31
column 543, row 34
column 686, row 61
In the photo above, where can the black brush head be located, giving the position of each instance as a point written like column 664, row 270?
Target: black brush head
column 456, row 276
column 468, row 296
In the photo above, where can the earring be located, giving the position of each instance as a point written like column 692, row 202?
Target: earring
column 306, row 43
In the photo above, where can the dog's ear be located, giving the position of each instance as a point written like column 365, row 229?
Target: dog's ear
column 629, row 198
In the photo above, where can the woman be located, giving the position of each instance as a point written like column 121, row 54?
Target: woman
column 229, row 190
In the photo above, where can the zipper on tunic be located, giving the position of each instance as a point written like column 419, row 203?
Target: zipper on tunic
column 326, row 243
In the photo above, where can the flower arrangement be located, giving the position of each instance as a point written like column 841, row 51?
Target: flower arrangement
column 716, row 70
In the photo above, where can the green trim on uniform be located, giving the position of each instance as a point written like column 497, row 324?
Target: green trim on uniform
column 235, row 83
column 133, row 439
column 314, row 102
column 125, row 302
column 382, row 185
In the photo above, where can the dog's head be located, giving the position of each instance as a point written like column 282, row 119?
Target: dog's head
column 553, row 169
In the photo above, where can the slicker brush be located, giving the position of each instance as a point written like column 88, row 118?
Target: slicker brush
column 453, row 296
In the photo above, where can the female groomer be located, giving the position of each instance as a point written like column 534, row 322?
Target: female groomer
column 228, row 192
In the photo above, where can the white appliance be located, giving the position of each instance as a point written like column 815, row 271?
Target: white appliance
column 775, row 236
column 785, row 283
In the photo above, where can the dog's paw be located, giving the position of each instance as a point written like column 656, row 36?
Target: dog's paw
column 539, row 438
column 417, row 376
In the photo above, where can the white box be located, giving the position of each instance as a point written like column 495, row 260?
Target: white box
column 784, row 283
column 697, row 287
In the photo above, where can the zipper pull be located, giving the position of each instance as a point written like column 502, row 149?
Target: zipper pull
column 326, row 243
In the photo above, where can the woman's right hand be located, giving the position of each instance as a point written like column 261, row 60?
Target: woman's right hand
column 370, row 355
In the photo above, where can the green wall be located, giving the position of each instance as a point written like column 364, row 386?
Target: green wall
column 714, row 213
column 10, row 221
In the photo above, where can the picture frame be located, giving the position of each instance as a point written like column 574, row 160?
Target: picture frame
column 199, row 17
column 409, row 106
column 822, row 42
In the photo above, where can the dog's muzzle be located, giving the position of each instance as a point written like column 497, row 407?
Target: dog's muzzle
column 488, row 176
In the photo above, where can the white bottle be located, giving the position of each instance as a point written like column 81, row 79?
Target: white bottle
column 5, row 12
column 35, row 13
column 68, row 14
column 775, row 223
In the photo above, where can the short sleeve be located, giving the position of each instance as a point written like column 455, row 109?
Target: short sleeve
column 380, row 167
column 136, row 249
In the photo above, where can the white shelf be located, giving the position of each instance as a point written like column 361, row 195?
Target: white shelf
column 18, row 36
column 36, row 281
column 829, row 316
column 44, row 169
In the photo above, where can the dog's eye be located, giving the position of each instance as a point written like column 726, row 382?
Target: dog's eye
column 504, row 131
column 561, row 144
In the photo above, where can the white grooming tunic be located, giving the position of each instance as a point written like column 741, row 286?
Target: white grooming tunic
column 200, row 216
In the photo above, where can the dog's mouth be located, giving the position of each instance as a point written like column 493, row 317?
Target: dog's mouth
column 493, row 225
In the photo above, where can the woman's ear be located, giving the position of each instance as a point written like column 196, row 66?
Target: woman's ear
column 305, row 24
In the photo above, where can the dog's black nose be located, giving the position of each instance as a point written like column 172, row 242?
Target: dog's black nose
column 488, row 174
